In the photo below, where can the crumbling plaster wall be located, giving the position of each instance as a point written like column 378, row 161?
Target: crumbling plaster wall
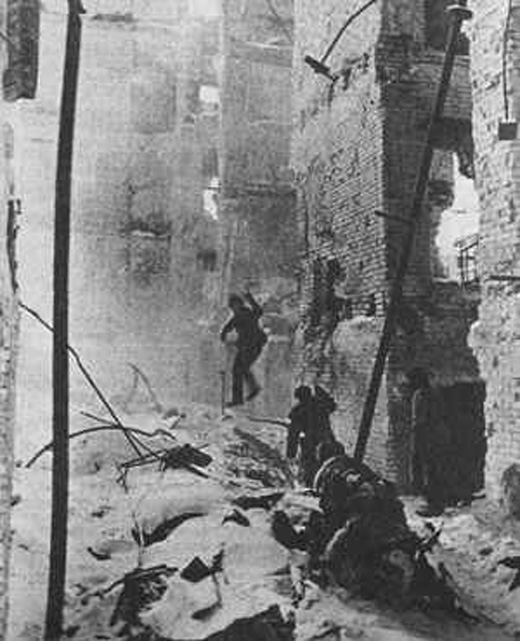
column 356, row 149
column 137, row 286
column 9, row 327
column 495, row 337
column 8, row 358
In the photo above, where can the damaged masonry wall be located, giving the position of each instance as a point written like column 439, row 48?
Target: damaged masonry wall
column 356, row 149
column 9, row 318
column 164, row 225
column 495, row 337
column 143, row 245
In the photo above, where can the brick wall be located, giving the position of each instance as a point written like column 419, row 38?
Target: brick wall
column 356, row 149
column 495, row 336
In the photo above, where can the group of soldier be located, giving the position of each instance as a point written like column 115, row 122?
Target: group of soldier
column 310, row 436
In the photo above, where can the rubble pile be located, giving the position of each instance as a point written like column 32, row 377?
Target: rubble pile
column 217, row 576
column 201, row 561
column 249, row 457
column 211, row 541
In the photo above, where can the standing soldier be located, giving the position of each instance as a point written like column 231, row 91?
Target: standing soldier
column 250, row 342
column 325, row 406
column 431, row 443
column 309, row 429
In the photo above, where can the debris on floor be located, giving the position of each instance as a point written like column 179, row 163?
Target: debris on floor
column 231, row 555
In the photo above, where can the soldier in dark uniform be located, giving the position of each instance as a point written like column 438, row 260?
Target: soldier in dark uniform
column 250, row 342
column 309, row 429
column 325, row 406
column 431, row 443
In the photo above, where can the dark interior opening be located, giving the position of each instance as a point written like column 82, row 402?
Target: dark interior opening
column 207, row 259
column 463, row 413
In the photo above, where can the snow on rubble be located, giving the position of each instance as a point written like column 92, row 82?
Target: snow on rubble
column 185, row 556
column 107, row 522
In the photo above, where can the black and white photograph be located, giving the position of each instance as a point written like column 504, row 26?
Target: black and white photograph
column 260, row 320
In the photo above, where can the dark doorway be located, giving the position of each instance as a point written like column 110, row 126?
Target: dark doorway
column 462, row 411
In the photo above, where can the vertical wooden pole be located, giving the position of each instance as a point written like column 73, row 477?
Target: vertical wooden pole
column 60, row 364
column 458, row 14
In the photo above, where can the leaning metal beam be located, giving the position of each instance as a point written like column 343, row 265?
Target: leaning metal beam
column 458, row 14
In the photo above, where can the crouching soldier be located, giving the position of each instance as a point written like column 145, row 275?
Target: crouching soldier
column 309, row 428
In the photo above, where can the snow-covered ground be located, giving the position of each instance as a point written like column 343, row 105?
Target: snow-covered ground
column 257, row 571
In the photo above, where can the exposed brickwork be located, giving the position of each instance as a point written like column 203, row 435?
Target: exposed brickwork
column 496, row 336
column 356, row 149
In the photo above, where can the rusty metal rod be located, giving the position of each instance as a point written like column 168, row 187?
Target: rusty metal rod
column 458, row 13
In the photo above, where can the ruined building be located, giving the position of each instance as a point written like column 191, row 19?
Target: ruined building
column 144, row 244
column 257, row 197
column 495, row 57
column 257, row 189
column 357, row 144
column 181, row 192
